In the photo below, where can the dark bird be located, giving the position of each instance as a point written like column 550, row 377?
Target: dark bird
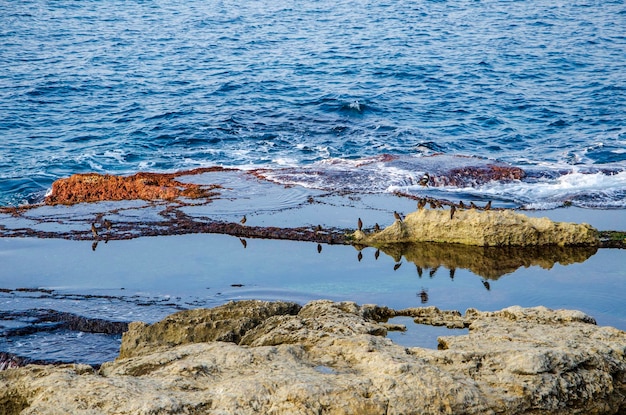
column 376, row 227
column 461, row 205
column 424, row 180
column 421, row 204
column 473, row 206
column 94, row 246
column 452, row 271
column 360, row 256
column 423, row 295
column 420, row 271
column 433, row 271
column 319, row 228
column 452, row 210
column 488, row 205
column 433, row 205
column 395, row 267
column 243, row 242
column 319, row 248
column 360, row 224
column 397, row 216
column 243, row 220
column 377, row 254
column 486, row 284
column 108, row 224
column 94, row 231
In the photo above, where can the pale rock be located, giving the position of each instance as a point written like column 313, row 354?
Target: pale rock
column 333, row 358
column 482, row 228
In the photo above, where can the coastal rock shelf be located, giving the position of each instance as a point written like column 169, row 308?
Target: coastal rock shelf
column 327, row 357
column 482, row 228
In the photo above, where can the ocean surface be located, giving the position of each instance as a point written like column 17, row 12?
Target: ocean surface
column 120, row 87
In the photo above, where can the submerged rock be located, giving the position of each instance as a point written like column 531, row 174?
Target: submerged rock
column 482, row 228
column 331, row 357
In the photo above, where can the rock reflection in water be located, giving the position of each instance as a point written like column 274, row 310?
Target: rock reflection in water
column 487, row 262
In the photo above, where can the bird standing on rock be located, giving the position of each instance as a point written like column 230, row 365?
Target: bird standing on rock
column 360, row 224
column 397, row 216
column 108, row 224
column 243, row 220
column 377, row 227
column 424, row 180
column 461, row 205
column 473, row 206
column 452, row 210
column 421, row 204
column 488, row 205
column 94, row 231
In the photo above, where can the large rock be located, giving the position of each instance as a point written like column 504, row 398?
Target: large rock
column 333, row 358
column 482, row 228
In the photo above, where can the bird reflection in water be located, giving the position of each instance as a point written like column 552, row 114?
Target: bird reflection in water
column 423, row 295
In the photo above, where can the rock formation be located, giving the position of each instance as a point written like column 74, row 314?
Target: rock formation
column 94, row 187
column 332, row 358
column 482, row 228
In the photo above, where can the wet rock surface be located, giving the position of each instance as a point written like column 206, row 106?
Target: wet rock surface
column 328, row 357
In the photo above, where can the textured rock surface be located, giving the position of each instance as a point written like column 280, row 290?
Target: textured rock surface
column 94, row 187
column 482, row 228
column 333, row 358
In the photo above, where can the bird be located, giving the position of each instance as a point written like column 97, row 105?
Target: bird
column 397, row 216
column 424, row 180
column 360, row 224
column 319, row 228
column 433, row 271
column 243, row 220
column 461, row 205
column 433, row 205
column 319, row 248
column 395, row 267
column 423, row 295
column 94, row 231
column 452, row 210
column 108, row 224
column 488, row 205
column 421, row 204
column 472, row 205
column 360, row 256
column 243, row 242
column 377, row 254
column 376, row 227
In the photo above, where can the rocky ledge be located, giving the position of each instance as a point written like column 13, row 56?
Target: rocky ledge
column 482, row 228
column 274, row 358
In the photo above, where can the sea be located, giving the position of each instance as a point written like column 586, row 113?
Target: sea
column 336, row 107
column 125, row 86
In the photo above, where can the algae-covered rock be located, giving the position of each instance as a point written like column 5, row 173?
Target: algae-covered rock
column 333, row 358
column 482, row 228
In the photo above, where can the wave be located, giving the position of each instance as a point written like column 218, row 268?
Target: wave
column 463, row 177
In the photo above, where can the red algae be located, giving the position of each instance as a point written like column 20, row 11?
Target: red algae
column 95, row 187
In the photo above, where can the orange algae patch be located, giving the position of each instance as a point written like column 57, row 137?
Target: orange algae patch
column 95, row 187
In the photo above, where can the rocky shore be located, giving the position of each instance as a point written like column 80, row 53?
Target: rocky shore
column 326, row 357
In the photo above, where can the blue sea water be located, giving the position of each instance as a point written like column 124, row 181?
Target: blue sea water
column 124, row 86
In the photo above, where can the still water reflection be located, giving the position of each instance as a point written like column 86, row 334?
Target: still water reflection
column 148, row 278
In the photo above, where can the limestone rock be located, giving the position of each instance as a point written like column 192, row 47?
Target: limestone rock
column 333, row 358
column 482, row 228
